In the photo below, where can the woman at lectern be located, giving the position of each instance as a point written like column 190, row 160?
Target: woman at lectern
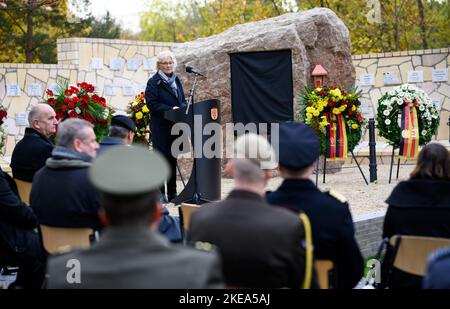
column 164, row 92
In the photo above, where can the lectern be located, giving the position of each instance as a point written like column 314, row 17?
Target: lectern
column 204, row 184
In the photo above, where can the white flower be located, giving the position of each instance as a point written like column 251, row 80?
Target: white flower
column 424, row 132
column 399, row 101
column 78, row 110
column 421, row 107
column 386, row 112
column 387, row 121
column 391, row 93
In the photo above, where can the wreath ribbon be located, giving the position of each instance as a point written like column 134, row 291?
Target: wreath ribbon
column 409, row 139
column 336, row 138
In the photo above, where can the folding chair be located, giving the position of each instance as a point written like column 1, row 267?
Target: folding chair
column 24, row 189
column 185, row 212
column 410, row 253
column 323, row 269
column 61, row 239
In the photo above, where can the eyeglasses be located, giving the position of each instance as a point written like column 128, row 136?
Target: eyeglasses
column 166, row 63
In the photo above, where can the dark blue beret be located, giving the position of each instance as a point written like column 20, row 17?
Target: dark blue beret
column 124, row 122
column 299, row 145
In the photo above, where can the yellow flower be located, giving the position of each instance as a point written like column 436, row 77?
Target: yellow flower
column 309, row 109
column 353, row 107
column 336, row 111
column 355, row 126
column 318, row 89
column 342, row 108
column 336, row 92
column 145, row 109
column 316, row 113
column 320, row 108
column 139, row 115
column 324, row 123
column 308, row 115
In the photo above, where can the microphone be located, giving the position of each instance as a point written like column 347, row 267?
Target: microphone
column 193, row 71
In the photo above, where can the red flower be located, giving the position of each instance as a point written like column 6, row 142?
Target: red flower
column 359, row 117
column 59, row 116
column 83, row 105
column 103, row 101
column 49, row 92
column 71, row 105
column 350, row 112
column 89, row 88
column 74, row 89
column 73, row 114
column 68, row 92
column 64, row 108
column 89, row 118
column 75, row 99
column 52, row 101
column 95, row 98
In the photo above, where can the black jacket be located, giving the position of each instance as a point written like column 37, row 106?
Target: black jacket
column 417, row 207
column 30, row 154
column 17, row 220
column 62, row 195
column 161, row 98
column 108, row 142
column 332, row 227
column 261, row 246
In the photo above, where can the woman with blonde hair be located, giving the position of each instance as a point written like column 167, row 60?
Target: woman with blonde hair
column 164, row 92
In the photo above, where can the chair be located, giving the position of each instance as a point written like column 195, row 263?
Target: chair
column 61, row 239
column 323, row 268
column 185, row 212
column 24, row 189
column 410, row 253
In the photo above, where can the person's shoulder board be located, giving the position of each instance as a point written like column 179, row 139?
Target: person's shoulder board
column 337, row 196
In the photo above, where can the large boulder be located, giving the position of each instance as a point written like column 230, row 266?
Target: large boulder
column 315, row 36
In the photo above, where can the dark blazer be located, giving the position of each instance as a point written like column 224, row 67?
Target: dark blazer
column 137, row 258
column 417, row 207
column 261, row 246
column 332, row 227
column 30, row 154
column 161, row 98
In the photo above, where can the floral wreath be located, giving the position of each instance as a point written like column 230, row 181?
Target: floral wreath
column 325, row 109
column 391, row 106
column 140, row 114
column 3, row 133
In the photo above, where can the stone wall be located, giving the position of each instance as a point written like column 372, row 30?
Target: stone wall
column 368, row 232
column 75, row 64
column 400, row 63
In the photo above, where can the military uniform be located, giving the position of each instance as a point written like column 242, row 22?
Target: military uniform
column 129, row 254
column 331, row 221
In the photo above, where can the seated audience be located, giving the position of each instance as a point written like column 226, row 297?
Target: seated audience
column 20, row 245
column 61, row 195
column 34, row 148
column 419, row 206
column 331, row 222
column 261, row 246
column 130, row 253
column 121, row 132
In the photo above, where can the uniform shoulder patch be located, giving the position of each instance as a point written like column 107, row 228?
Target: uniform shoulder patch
column 337, row 195
column 204, row 246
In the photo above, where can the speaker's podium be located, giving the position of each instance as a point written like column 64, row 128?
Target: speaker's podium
column 205, row 181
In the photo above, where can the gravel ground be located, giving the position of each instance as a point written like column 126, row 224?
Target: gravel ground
column 362, row 198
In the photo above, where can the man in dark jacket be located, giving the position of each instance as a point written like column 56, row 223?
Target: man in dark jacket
column 121, row 132
column 261, row 246
column 32, row 151
column 19, row 242
column 331, row 221
column 61, row 195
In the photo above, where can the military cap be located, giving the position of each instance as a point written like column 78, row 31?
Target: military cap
column 299, row 145
column 124, row 122
column 257, row 149
column 127, row 170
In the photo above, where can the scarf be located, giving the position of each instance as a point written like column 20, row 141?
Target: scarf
column 63, row 157
column 170, row 81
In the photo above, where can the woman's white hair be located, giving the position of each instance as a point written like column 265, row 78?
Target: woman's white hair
column 165, row 54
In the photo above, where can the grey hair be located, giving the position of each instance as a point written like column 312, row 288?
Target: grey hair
column 247, row 172
column 35, row 113
column 116, row 131
column 69, row 130
column 164, row 54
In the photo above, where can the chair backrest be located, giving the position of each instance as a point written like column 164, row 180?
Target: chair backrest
column 411, row 252
column 185, row 211
column 24, row 189
column 62, row 239
column 323, row 268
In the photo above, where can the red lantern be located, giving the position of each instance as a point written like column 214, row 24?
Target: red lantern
column 319, row 74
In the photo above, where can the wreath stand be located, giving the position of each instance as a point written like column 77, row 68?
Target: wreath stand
column 325, row 168
column 392, row 164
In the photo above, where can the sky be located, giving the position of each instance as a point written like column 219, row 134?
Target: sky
column 125, row 12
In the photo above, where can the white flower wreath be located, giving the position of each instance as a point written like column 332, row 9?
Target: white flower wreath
column 391, row 104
